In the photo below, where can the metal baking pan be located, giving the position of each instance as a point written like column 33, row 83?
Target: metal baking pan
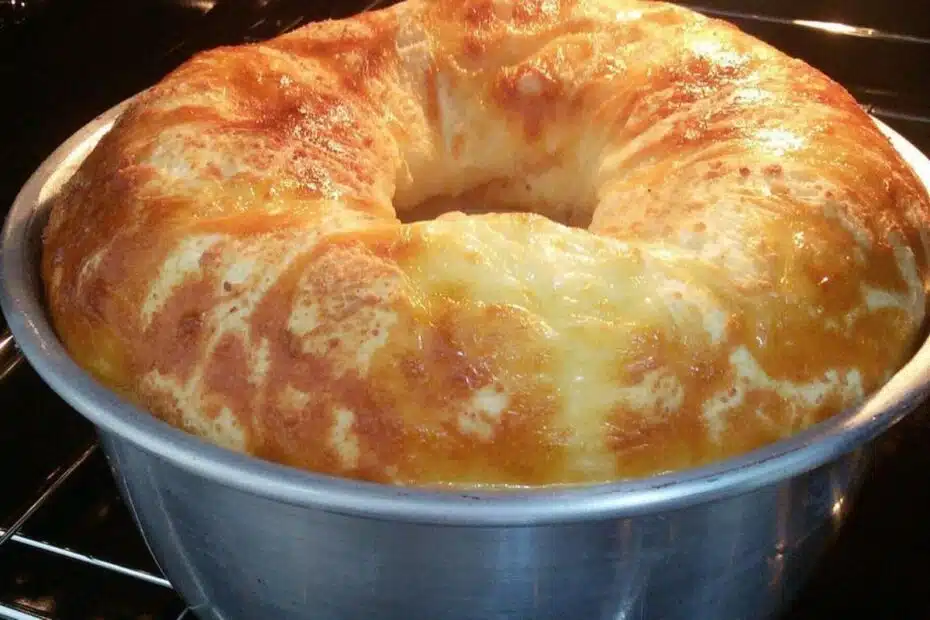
column 245, row 539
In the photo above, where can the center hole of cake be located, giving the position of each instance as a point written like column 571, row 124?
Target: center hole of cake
column 488, row 199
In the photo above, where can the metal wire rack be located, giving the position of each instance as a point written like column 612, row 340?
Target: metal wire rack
column 31, row 535
column 13, row 535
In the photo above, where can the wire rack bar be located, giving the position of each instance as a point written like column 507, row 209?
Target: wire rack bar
column 10, row 356
column 55, row 480
column 829, row 27
column 93, row 561
column 13, row 613
column 13, row 535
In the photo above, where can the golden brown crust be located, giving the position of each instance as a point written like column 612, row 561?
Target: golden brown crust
column 748, row 253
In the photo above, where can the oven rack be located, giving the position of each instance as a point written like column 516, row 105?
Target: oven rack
column 12, row 535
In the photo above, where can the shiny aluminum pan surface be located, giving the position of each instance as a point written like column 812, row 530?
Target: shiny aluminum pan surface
column 21, row 301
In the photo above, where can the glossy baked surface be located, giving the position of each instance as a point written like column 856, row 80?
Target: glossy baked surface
column 731, row 252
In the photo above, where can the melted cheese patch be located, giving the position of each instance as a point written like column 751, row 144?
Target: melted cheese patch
column 483, row 412
column 798, row 397
column 181, row 264
column 224, row 429
column 342, row 438
column 659, row 392
column 358, row 327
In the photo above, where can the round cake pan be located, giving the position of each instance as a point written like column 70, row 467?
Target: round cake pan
column 245, row 539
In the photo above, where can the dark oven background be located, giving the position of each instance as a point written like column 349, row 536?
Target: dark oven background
column 68, row 548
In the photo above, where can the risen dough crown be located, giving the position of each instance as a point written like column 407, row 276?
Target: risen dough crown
column 724, row 249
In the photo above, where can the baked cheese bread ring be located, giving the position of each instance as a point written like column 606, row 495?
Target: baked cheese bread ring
column 494, row 244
